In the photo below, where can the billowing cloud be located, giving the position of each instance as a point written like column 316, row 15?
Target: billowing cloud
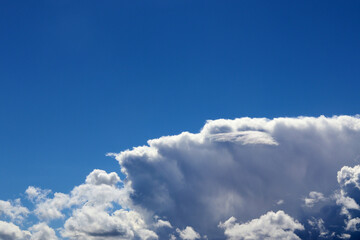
column 272, row 225
column 241, row 168
column 98, row 177
column 13, row 210
column 9, row 231
column 248, row 178
column 36, row 194
column 188, row 233
column 42, row 231
column 95, row 223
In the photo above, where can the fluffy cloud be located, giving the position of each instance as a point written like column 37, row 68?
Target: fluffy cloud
column 49, row 209
column 98, row 210
column 14, row 210
column 36, row 194
column 314, row 197
column 232, row 169
column 241, row 168
column 9, row 231
column 98, row 190
column 94, row 223
column 42, row 231
column 97, row 177
column 188, row 233
column 269, row 226
column 162, row 223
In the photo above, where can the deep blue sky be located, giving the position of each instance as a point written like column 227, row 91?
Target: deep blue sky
column 79, row 79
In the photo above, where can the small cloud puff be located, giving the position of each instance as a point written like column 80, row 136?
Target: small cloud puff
column 98, row 177
column 314, row 197
column 188, row 233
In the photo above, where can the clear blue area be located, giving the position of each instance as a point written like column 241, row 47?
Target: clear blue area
column 79, row 79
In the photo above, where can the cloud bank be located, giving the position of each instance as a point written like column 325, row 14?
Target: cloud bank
column 248, row 178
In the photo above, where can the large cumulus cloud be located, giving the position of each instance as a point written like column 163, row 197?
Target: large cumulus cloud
column 285, row 178
column 241, row 168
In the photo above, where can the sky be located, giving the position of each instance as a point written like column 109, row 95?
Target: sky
column 81, row 79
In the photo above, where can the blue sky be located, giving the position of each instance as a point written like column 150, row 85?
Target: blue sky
column 79, row 79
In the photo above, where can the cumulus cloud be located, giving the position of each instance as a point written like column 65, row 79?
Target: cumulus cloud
column 188, row 233
column 51, row 208
column 218, row 181
column 98, row 190
column 97, row 177
column 9, row 231
column 349, row 181
column 162, row 223
column 99, row 209
column 314, row 197
column 93, row 223
column 241, row 168
column 13, row 209
column 272, row 225
column 42, row 231
column 36, row 194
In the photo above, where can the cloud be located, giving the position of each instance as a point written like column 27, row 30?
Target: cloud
column 14, row 210
column 319, row 225
column 98, row 177
column 218, row 181
column 50, row 208
column 188, row 233
column 93, row 223
column 314, row 197
column 42, row 231
column 162, row 223
column 241, row 168
column 9, row 231
column 272, row 225
column 99, row 209
column 36, row 194
column 98, row 190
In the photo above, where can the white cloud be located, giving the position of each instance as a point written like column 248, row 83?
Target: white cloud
column 91, row 211
column 50, row 208
column 36, row 194
column 314, row 197
column 240, row 167
column 42, row 231
column 98, row 177
column 353, row 224
column 319, row 225
column 99, row 189
column 188, row 233
column 344, row 236
column 95, row 223
column 244, row 137
column 269, row 226
column 349, row 181
column 14, row 210
column 162, row 223
column 9, row 231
